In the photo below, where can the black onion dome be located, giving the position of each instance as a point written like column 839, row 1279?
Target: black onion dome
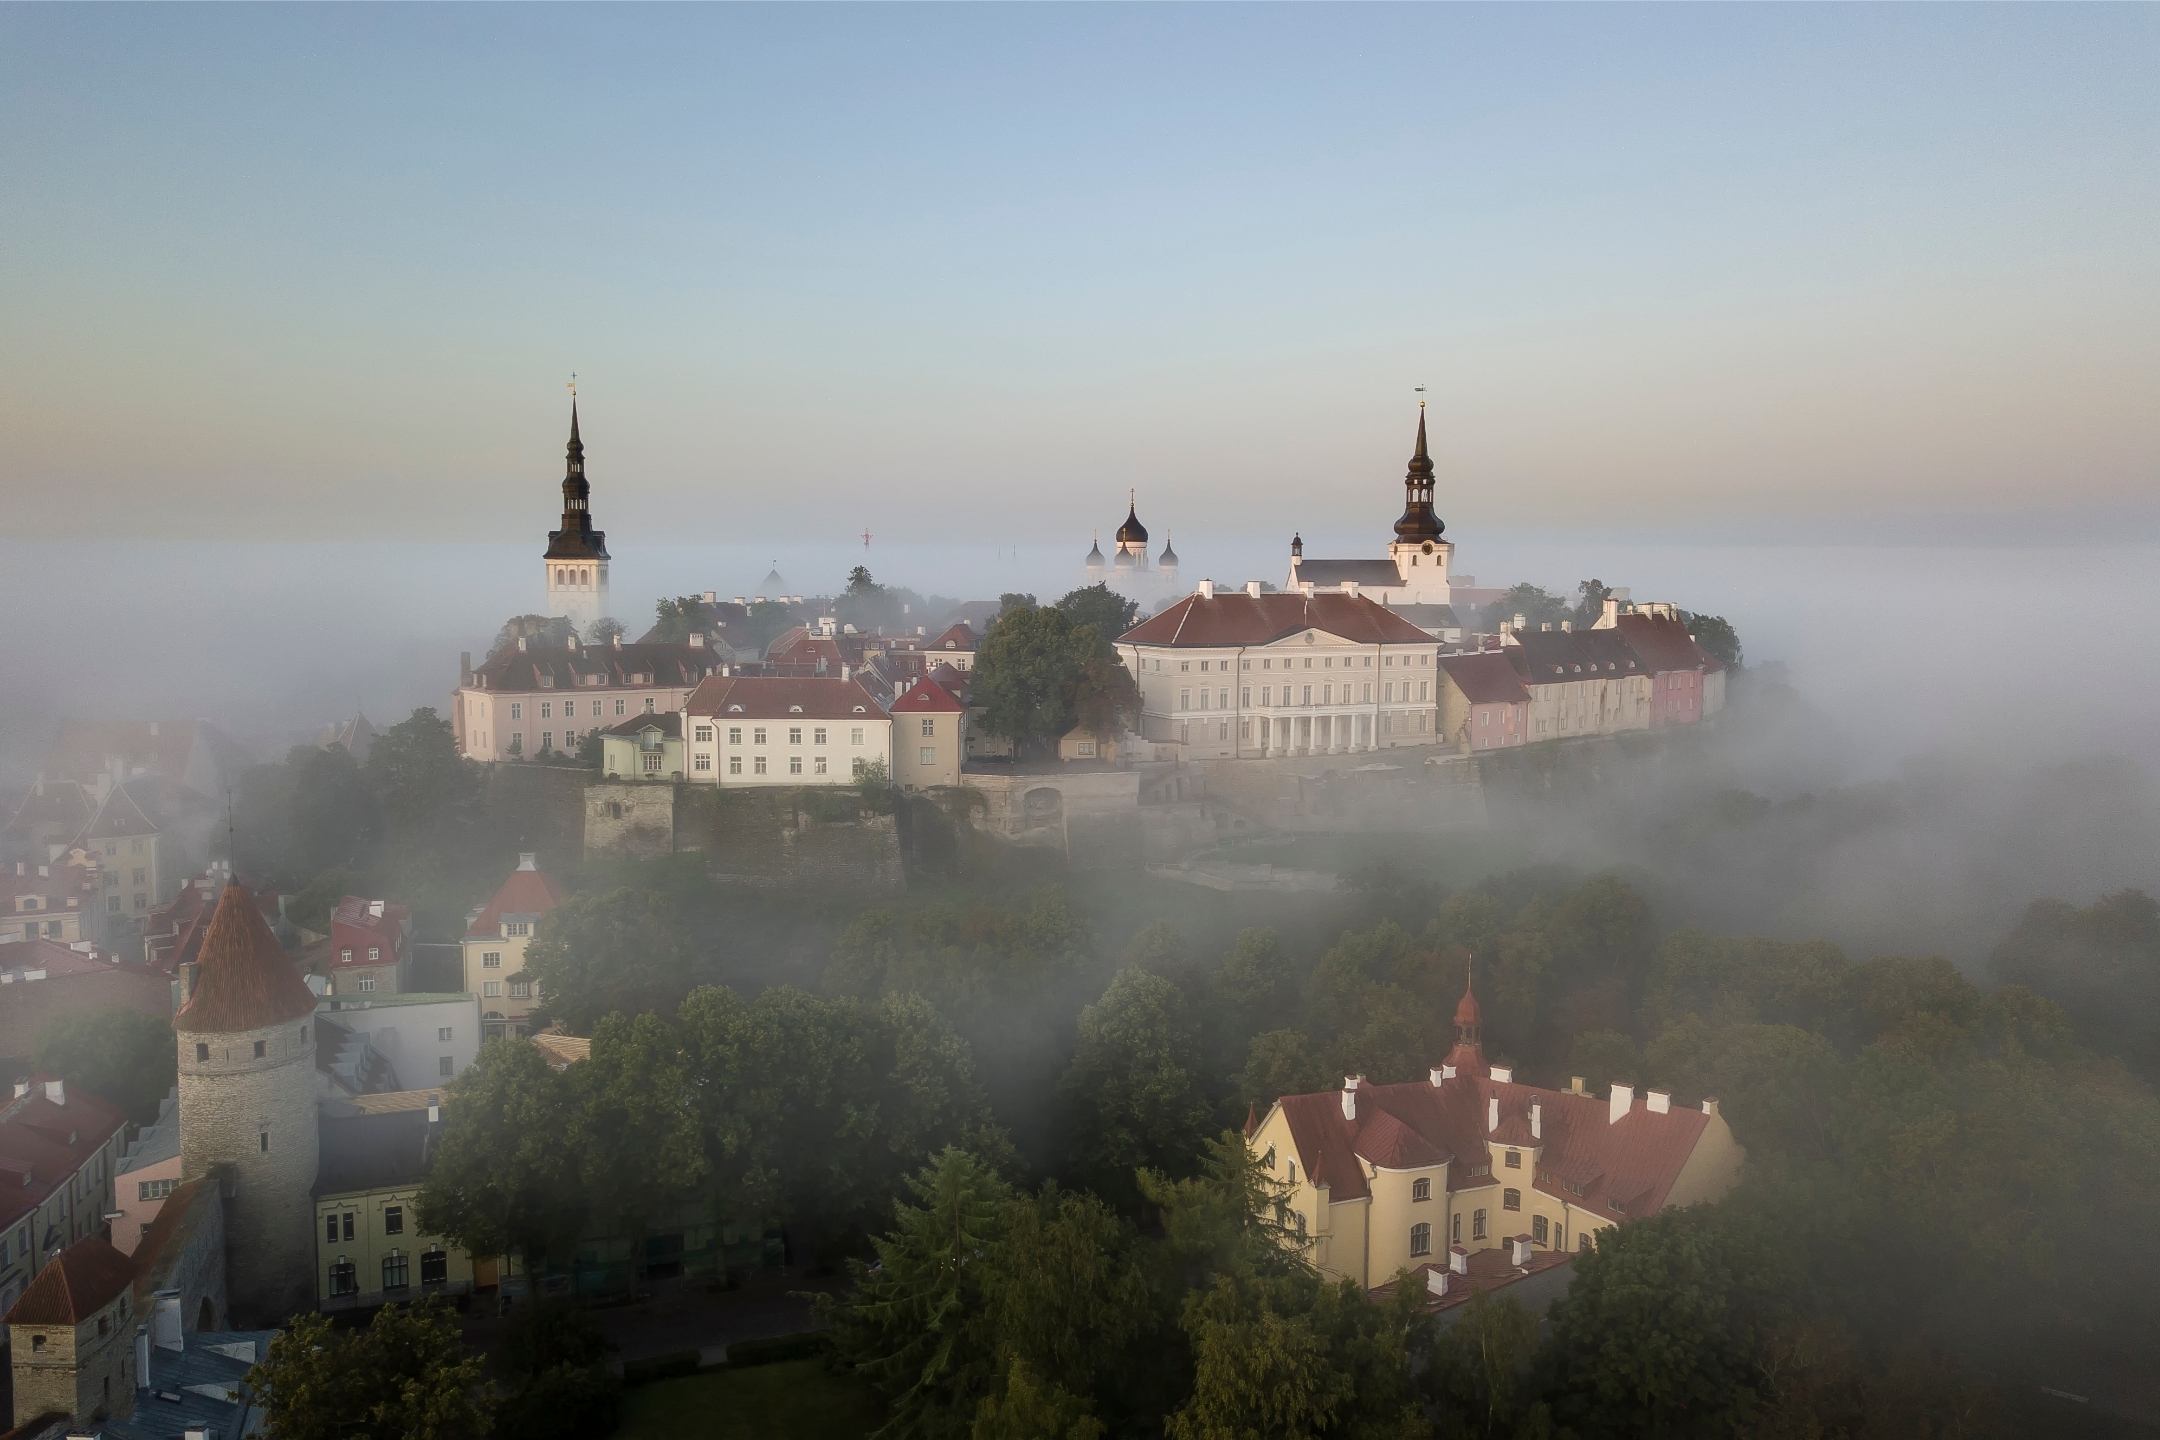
column 1132, row 532
column 1419, row 521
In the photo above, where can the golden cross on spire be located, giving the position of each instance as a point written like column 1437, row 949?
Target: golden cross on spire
column 572, row 386
column 1420, row 395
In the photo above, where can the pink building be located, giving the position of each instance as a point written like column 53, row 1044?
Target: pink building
column 1678, row 667
column 535, row 698
column 370, row 941
column 1483, row 702
column 148, row 1172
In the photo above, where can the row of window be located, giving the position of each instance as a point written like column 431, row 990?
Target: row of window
column 341, row 1224
column 1304, row 696
column 569, row 708
column 396, row 1272
column 1327, row 662
column 519, row 989
column 703, row 734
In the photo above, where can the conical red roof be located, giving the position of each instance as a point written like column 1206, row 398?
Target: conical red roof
column 243, row 980
column 1466, row 1009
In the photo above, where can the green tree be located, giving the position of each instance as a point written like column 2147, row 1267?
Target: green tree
column 1098, row 606
column 1013, row 600
column 625, row 950
column 917, row 1328
column 1028, row 675
column 673, row 620
column 1027, row 1407
column 1715, row 634
column 504, row 1180
column 543, row 629
column 123, row 1056
column 421, row 782
column 1536, row 605
column 636, row 1134
column 605, row 631
column 1590, row 608
column 554, row 1366
column 1279, row 1063
column 331, row 814
column 406, row 1374
column 1131, row 1095
column 1477, row 1373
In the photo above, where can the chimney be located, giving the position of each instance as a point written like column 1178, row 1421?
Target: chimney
column 56, row 1091
column 521, row 642
column 1492, row 1113
column 1349, row 1096
column 1611, row 617
column 1575, row 1085
column 196, row 1432
column 1660, row 1101
column 1619, row 1103
column 464, row 667
column 710, row 596
column 1507, row 629
column 1436, row 1283
column 1447, row 1072
column 1519, row 1250
column 1458, row 1260
column 1710, row 1107
column 1544, row 625
column 1207, row 589
column 1350, row 588
column 697, row 639
column 434, row 1114
column 1522, row 621
column 1537, row 1121
column 1252, row 588
column 1437, row 1074
column 22, row 1088
column 165, row 1327
column 843, row 672
column 142, row 1357
column 528, row 860
column 1505, row 1074
column 1567, row 626
column 615, row 640
column 374, row 909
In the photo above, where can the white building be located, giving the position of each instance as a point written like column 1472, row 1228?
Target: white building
column 428, row 1039
column 767, row 730
column 1415, row 572
column 1243, row 673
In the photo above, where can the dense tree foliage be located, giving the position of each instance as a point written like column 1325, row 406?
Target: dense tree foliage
column 1108, row 613
column 405, row 1374
column 123, row 1056
column 1039, row 673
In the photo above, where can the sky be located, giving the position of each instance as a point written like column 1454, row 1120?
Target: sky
column 963, row 275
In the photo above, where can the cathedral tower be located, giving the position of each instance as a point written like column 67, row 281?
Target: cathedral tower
column 577, row 557
column 1421, row 556
column 247, row 1107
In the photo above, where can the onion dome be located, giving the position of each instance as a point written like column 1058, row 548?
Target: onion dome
column 243, row 980
column 1123, row 560
column 1466, row 1009
column 1418, row 521
column 1169, row 556
column 1094, row 558
column 1132, row 532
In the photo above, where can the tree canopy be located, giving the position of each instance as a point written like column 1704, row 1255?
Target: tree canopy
column 1038, row 674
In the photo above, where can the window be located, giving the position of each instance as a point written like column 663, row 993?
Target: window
column 517, row 710
column 927, row 755
column 261, row 1048
column 794, row 735
column 1308, row 692
column 547, row 739
column 1421, row 1239
column 393, row 1220
column 367, row 982
column 1222, row 699
column 547, row 709
column 434, row 1267
column 929, row 725
column 758, row 765
column 651, row 760
column 704, row 734
column 344, row 1278
column 618, row 705
column 855, row 735
column 374, row 954
column 1582, row 1241
column 262, row 1141
column 1421, row 1190
column 757, row 735
column 1293, row 1172
column 1538, row 1232
column 394, row 1270
column 648, row 707
column 1184, row 699
column 734, row 764
column 329, row 1228
column 794, row 764
column 1511, row 1199
column 734, row 735
column 521, row 989
column 491, row 960
column 817, row 736
column 443, row 1066
column 702, row 763
column 1514, row 1159
column 492, row 989
column 1455, row 1231
column 154, row 1189
column 202, row 1051
column 820, row 766
column 345, row 956
column 1477, row 1225
column 1244, row 697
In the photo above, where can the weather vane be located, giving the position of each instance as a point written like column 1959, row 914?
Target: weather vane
column 1420, row 395
column 572, row 386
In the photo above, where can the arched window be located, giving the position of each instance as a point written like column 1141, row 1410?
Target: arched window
column 1421, row 1189
column 1293, row 1172
column 1421, row 1239
column 1538, row 1231
column 1514, row 1159
column 1511, row 1199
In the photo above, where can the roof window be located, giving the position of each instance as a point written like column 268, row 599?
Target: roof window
column 794, row 709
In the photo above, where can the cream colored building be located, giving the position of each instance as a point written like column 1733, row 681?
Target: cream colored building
column 494, row 949
column 1581, row 682
column 531, row 698
column 1247, row 673
column 766, row 730
column 370, row 1249
column 1382, row 1178
column 929, row 736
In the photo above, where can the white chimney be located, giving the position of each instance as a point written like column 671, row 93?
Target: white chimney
column 1537, row 1121
column 1252, row 588
column 1447, row 1072
column 1709, row 1107
column 1492, row 1113
column 375, row 909
column 1437, row 1074
column 697, row 639
column 434, row 1114
column 1544, row 625
column 1350, row 588
column 528, row 860
column 1505, row 1074
column 1349, row 1096
column 710, row 596
column 1575, row 1085
column 142, row 1357
column 1436, row 1283
column 165, row 1328
column 1567, row 626
column 1619, row 1103
column 1207, row 589
column 1458, row 1260
column 739, row 600
column 521, row 642
column 616, row 640
column 1522, row 621
column 1611, row 617
column 22, row 1088
column 1519, row 1250
column 1660, row 1101
column 843, row 672
column 56, row 1091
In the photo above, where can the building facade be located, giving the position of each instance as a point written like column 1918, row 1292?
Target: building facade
column 577, row 556
column 764, row 730
column 1240, row 674
column 370, row 1250
column 643, row 747
column 929, row 736
column 1415, row 571
column 1484, row 704
column 58, row 901
column 58, row 1152
column 246, row 1037
column 532, row 699
column 369, row 949
column 1581, row 682
column 494, row 948
column 71, row 1337
column 1383, row 1178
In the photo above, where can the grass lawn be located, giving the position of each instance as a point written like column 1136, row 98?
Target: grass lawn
column 793, row 1400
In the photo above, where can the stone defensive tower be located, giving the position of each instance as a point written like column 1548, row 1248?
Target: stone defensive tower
column 247, row 1107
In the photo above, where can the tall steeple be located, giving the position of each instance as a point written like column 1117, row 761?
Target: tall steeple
column 577, row 540
column 1418, row 521
column 1468, row 1055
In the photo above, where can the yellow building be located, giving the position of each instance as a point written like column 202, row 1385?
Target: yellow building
column 1391, row 1177
column 369, row 1249
column 495, row 941
column 929, row 736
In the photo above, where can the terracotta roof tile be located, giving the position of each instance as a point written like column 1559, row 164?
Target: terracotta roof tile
column 1663, row 644
column 926, row 695
column 243, row 981
column 1236, row 618
column 525, row 892
column 74, row 1285
column 765, row 697
column 1485, row 678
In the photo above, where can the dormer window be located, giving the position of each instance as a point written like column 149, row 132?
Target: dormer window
column 794, row 709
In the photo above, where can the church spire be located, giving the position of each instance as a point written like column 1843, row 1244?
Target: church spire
column 576, row 540
column 1419, row 522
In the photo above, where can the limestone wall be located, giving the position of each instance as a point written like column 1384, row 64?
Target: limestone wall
column 626, row 818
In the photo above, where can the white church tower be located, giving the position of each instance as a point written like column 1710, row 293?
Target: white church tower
column 577, row 557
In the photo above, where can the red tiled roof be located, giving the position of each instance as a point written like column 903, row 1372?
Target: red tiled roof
column 1485, row 678
column 32, row 1007
column 355, row 928
column 244, row 981
column 526, row 892
column 1236, row 618
column 1487, row 1270
column 799, row 649
column 65, row 887
column 1625, row 1169
column 595, row 667
column 667, row 722
column 118, row 816
column 42, row 1144
column 50, row 956
column 765, row 697
column 1663, row 644
column 957, row 636
column 927, row 695
column 74, row 1285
